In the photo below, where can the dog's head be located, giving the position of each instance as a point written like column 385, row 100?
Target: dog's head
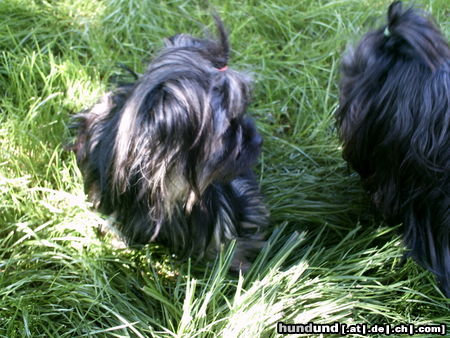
column 394, row 91
column 184, row 125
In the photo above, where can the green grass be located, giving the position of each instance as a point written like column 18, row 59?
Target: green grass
column 329, row 258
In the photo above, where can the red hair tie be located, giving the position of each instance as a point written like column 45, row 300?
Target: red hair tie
column 224, row 68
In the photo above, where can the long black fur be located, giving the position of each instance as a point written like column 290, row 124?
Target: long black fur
column 170, row 155
column 394, row 120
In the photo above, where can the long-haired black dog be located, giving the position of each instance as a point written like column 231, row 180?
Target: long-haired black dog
column 170, row 156
column 394, row 120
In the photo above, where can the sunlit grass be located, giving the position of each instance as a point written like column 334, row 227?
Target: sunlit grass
column 330, row 257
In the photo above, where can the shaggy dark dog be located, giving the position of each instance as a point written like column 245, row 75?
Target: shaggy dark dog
column 170, row 156
column 394, row 120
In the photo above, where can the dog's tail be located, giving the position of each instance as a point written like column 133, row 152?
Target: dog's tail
column 413, row 34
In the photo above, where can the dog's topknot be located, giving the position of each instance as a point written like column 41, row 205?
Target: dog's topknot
column 411, row 33
column 217, row 51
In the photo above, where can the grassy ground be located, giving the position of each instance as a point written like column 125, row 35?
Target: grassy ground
column 59, row 277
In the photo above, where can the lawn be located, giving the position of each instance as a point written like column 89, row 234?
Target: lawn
column 330, row 257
